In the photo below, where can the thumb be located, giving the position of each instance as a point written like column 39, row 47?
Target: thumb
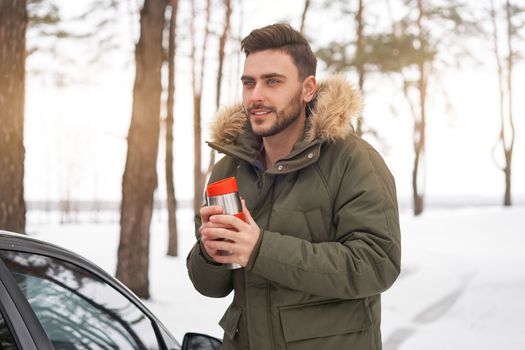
column 246, row 212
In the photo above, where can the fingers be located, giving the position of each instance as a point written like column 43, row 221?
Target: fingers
column 210, row 224
column 224, row 252
column 211, row 252
column 215, row 233
column 220, row 246
column 226, row 233
column 246, row 212
column 228, row 220
column 223, row 257
column 206, row 212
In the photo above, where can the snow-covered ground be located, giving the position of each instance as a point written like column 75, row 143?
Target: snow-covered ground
column 462, row 284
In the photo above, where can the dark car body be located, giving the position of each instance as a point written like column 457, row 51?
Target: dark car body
column 51, row 298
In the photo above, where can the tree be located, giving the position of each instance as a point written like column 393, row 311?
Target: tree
column 303, row 16
column 421, row 116
column 13, row 25
column 419, row 44
column 140, row 176
column 222, row 46
column 420, row 55
column 70, row 50
column 505, row 72
column 197, row 86
column 360, row 64
column 350, row 53
column 414, row 49
column 170, row 186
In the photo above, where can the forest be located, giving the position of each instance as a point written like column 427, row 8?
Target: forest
column 108, row 101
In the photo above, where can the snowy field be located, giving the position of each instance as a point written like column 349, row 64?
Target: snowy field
column 462, row 284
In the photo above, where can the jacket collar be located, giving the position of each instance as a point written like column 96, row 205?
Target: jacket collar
column 335, row 105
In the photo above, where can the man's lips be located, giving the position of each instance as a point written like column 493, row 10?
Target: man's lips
column 258, row 111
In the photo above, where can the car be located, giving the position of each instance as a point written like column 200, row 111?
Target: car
column 52, row 298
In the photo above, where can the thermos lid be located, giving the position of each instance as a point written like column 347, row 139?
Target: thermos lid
column 221, row 187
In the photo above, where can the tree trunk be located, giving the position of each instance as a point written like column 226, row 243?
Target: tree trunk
column 222, row 46
column 197, row 171
column 170, row 186
column 417, row 197
column 13, row 24
column 419, row 145
column 507, row 200
column 140, row 176
column 419, row 127
column 361, row 65
column 196, row 116
column 506, row 144
column 235, row 82
column 198, row 176
column 509, row 145
column 303, row 17
column 501, row 90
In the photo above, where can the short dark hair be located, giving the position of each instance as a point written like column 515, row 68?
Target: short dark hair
column 282, row 37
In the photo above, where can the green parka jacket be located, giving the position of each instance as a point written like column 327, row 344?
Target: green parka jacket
column 330, row 241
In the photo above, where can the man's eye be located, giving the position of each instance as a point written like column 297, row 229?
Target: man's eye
column 272, row 81
column 248, row 84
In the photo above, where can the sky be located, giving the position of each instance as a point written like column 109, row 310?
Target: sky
column 75, row 135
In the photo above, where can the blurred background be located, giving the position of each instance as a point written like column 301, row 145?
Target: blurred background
column 105, row 107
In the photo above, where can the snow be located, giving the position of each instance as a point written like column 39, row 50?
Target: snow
column 462, row 284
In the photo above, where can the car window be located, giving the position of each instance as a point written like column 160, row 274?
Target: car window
column 77, row 309
column 6, row 339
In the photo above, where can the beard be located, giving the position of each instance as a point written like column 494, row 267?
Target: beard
column 285, row 117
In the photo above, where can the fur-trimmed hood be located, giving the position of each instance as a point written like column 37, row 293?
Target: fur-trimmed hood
column 335, row 106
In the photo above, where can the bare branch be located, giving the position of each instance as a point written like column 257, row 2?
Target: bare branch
column 303, row 17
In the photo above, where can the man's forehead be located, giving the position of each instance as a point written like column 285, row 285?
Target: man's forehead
column 269, row 62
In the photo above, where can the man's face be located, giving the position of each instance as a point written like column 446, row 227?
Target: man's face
column 272, row 93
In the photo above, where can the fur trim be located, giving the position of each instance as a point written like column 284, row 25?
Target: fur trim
column 229, row 123
column 335, row 107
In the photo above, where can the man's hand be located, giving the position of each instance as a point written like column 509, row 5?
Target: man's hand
column 206, row 213
column 231, row 234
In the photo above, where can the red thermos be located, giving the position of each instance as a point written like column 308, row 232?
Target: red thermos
column 226, row 194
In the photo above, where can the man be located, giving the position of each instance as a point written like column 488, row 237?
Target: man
column 321, row 239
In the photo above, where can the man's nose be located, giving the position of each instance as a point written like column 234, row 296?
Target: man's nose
column 256, row 94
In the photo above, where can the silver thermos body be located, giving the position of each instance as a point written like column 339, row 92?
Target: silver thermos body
column 231, row 204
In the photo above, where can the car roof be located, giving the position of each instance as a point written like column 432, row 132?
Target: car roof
column 22, row 243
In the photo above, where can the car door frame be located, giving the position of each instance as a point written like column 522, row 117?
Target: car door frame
column 25, row 327
column 20, row 243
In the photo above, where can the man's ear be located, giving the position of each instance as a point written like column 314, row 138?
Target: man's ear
column 309, row 87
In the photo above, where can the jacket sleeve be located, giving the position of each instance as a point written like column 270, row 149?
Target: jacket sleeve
column 363, row 259
column 208, row 278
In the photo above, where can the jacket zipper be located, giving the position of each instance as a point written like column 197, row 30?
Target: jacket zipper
column 268, row 297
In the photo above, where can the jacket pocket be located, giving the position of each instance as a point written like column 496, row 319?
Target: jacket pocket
column 325, row 319
column 304, row 224
column 230, row 321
